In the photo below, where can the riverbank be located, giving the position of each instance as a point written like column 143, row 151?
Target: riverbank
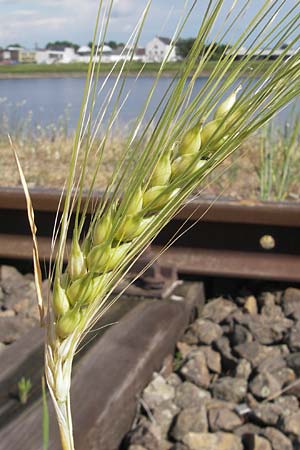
column 79, row 70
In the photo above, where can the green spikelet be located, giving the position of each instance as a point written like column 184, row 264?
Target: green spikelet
column 186, row 164
column 226, row 106
column 156, row 197
column 162, row 171
column 99, row 285
column 60, row 300
column 68, row 323
column 117, row 254
column 191, row 142
column 80, row 290
column 102, row 229
column 76, row 265
column 98, row 257
column 136, row 203
column 128, row 228
column 144, row 223
column 209, row 130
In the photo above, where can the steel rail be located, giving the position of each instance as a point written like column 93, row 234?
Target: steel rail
column 229, row 238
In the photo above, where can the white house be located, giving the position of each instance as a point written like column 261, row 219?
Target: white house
column 158, row 48
column 84, row 54
column 65, row 56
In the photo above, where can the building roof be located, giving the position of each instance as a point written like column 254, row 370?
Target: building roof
column 165, row 40
column 140, row 52
column 11, row 48
column 107, row 49
column 84, row 49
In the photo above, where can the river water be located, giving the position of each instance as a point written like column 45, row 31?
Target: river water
column 52, row 102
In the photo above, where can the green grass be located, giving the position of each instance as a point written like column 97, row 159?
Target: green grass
column 135, row 67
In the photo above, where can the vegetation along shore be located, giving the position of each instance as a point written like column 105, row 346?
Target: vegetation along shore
column 80, row 69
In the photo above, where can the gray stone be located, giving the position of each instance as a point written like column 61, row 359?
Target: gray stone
column 291, row 302
column 240, row 335
column 2, row 347
column 264, row 385
column 190, row 420
column 278, row 440
column 158, row 391
column 2, row 296
column 185, row 349
column 256, row 353
column 267, row 413
column 206, row 331
column 268, row 330
column 7, row 313
column 223, row 419
column 173, row 380
column 251, row 305
column 284, row 376
column 216, row 403
column 291, row 424
column 251, row 401
column 266, row 299
column 293, row 361
column 243, row 369
column 179, row 446
column 230, row 389
column 213, row 441
column 223, row 346
column 271, row 364
column 255, row 442
column 146, row 434
column 293, row 389
column 164, row 416
column 188, row 395
column 11, row 278
column 217, row 310
column 246, row 430
column 294, row 338
column 12, row 328
column 213, row 359
column 288, row 404
column 196, row 371
column 136, row 447
column 274, row 311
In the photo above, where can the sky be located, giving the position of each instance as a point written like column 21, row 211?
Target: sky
column 36, row 22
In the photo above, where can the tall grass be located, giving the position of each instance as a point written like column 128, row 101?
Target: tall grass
column 279, row 167
column 163, row 162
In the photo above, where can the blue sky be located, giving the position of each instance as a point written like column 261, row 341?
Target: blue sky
column 31, row 22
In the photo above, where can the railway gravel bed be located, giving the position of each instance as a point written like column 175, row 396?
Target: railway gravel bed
column 18, row 306
column 232, row 383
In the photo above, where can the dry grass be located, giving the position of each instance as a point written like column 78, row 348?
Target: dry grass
column 45, row 161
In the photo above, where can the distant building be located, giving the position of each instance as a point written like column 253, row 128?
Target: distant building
column 242, row 53
column 55, row 56
column 27, row 56
column 140, row 54
column 14, row 53
column 158, row 48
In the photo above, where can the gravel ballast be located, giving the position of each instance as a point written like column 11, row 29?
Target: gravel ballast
column 232, row 383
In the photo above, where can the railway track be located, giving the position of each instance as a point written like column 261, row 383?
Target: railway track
column 225, row 239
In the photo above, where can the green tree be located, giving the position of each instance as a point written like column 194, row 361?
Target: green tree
column 61, row 45
column 15, row 45
column 184, row 46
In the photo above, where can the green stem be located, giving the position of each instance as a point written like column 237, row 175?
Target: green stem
column 66, row 428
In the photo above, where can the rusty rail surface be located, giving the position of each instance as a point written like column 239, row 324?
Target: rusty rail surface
column 226, row 238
